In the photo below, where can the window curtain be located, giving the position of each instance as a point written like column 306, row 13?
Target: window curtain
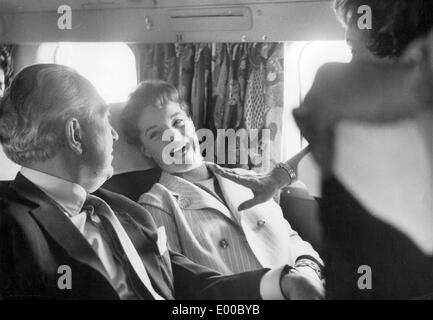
column 227, row 86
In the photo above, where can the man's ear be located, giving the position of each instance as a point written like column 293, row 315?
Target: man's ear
column 145, row 152
column 74, row 136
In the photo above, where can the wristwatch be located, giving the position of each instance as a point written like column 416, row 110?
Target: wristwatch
column 311, row 264
column 290, row 171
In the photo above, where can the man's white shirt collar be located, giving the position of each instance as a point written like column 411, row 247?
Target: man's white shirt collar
column 69, row 195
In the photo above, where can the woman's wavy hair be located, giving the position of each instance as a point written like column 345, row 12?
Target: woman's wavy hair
column 395, row 23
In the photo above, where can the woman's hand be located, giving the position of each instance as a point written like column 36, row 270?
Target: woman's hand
column 264, row 186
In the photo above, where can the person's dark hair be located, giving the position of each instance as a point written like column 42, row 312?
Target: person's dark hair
column 395, row 23
column 149, row 93
column 35, row 108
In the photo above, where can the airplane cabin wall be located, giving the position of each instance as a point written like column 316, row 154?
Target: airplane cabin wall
column 207, row 21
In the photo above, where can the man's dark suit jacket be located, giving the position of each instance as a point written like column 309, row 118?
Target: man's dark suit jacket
column 36, row 237
column 354, row 237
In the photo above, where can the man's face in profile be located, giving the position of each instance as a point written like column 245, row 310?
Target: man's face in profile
column 98, row 150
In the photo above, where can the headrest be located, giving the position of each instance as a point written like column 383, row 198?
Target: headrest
column 126, row 157
column 310, row 174
column 134, row 183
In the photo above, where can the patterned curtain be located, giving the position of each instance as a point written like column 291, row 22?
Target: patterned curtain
column 227, row 86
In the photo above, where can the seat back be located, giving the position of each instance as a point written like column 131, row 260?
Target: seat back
column 134, row 183
column 301, row 209
column 126, row 157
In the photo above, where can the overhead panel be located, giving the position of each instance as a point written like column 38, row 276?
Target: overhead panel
column 107, row 20
column 210, row 19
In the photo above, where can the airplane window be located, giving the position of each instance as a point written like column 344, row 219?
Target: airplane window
column 301, row 62
column 109, row 66
column 317, row 53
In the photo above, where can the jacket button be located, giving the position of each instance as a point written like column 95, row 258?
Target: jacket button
column 95, row 245
column 261, row 223
column 224, row 244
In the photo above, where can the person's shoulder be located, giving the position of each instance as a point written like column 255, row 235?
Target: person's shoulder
column 15, row 210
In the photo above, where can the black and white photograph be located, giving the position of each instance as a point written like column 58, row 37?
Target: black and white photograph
column 216, row 150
